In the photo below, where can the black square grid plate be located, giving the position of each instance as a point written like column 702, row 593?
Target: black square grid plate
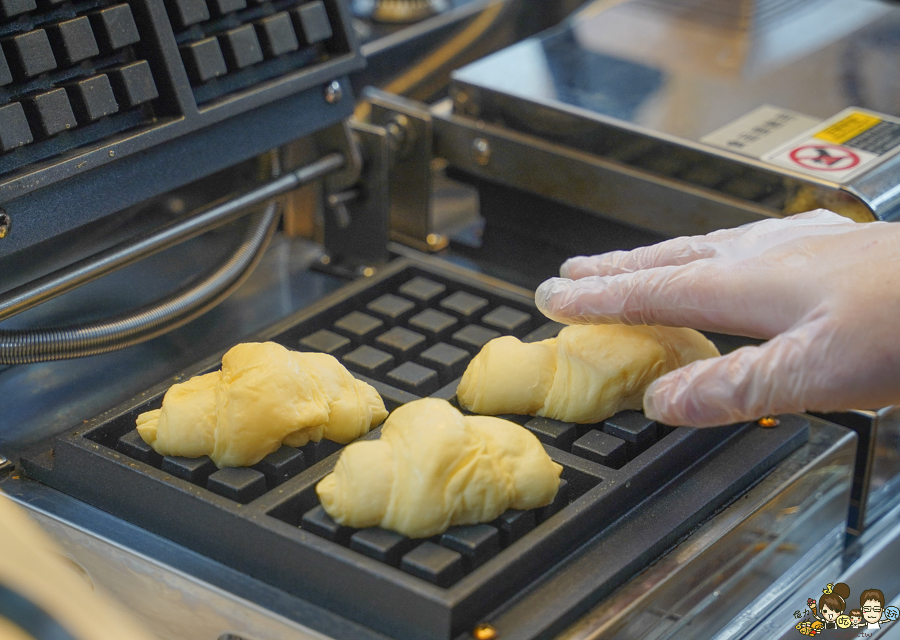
column 267, row 521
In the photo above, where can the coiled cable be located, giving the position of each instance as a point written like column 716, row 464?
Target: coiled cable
column 150, row 321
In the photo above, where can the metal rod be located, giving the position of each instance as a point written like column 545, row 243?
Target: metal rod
column 84, row 271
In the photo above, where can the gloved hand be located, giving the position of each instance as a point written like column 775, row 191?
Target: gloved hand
column 824, row 290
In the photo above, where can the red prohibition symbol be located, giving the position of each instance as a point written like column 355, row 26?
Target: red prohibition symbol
column 824, row 157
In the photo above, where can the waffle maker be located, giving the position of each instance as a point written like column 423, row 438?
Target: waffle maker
column 409, row 331
column 632, row 489
column 656, row 531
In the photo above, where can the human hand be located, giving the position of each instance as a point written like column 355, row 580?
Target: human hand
column 823, row 289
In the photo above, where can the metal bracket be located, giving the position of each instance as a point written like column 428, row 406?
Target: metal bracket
column 356, row 216
column 525, row 162
column 304, row 206
column 409, row 125
column 585, row 180
column 339, row 138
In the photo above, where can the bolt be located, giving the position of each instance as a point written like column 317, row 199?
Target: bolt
column 5, row 225
column 334, row 92
column 398, row 134
column 464, row 103
column 176, row 205
column 481, row 151
column 484, row 631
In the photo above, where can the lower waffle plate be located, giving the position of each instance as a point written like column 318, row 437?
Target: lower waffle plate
column 409, row 331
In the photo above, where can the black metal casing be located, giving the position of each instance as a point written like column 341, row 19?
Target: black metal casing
column 252, row 95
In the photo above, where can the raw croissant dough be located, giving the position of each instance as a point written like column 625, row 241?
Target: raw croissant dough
column 434, row 468
column 586, row 374
column 265, row 395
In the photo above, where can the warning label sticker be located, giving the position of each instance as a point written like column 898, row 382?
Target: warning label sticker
column 826, row 157
column 840, row 148
column 848, row 128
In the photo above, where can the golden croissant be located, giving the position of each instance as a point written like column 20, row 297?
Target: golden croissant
column 264, row 396
column 586, row 374
column 434, row 468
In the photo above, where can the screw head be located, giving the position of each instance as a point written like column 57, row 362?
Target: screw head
column 464, row 103
column 5, row 225
column 334, row 92
column 399, row 135
column 481, row 151
column 768, row 422
column 484, row 631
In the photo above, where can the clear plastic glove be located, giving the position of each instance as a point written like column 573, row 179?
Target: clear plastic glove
column 824, row 290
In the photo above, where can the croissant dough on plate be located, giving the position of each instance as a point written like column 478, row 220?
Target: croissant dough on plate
column 586, row 374
column 265, row 395
column 434, row 468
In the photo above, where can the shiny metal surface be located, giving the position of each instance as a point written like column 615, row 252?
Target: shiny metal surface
column 581, row 179
column 149, row 321
column 795, row 513
column 356, row 220
column 410, row 178
column 876, row 485
column 89, row 269
column 639, row 83
column 678, row 74
column 884, row 479
column 568, row 175
column 871, row 562
column 174, row 593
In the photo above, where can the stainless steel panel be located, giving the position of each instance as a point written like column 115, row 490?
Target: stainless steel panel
column 871, row 562
column 884, row 479
column 666, row 69
column 796, row 513
column 640, row 83
column 584, row 180
column 174, row 593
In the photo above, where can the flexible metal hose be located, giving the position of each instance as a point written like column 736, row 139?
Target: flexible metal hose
column 133, row 327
